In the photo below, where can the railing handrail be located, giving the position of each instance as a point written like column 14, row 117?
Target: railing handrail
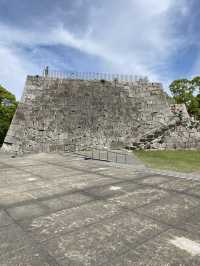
column 94, row 148
column 87, row 148
column 93, row 76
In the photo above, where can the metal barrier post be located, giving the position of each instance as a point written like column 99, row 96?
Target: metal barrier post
column 116, row 157
column 99, row 155
column 46, row 71
column 91, row 76
column 107, row 155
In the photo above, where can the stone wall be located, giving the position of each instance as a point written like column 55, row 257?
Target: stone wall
column 99, row 113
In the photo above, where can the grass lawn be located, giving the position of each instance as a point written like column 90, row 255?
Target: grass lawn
column 182, row 161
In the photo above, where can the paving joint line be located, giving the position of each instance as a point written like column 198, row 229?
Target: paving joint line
column 138, row 245
column 44, row 254
column 160, row 221
column 78, row 229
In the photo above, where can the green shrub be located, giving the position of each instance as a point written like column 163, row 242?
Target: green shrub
column 8, row 105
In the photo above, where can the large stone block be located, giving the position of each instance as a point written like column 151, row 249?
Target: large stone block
column 91, row 113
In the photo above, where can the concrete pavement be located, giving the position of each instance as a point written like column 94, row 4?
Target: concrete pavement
column 64, row 210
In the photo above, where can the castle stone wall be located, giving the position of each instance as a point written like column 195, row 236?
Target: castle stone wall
column 90, row 113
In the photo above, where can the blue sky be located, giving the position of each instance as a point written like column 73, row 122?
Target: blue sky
column 158, row 39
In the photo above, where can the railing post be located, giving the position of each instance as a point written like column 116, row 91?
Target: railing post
column 116, row 157
column 46, row 71
column 92, row 76
column 107, row 155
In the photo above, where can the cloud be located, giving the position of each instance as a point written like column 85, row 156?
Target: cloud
column 14, row 70
column 60, row 36
column 139, row 37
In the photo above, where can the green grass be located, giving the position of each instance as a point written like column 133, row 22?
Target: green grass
column 182, row 161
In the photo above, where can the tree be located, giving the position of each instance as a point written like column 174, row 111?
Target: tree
column 187, row 92
column 8, row 105
column 196, row 84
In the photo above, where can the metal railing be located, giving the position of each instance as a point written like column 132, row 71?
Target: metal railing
column 73, row 75
column 97, row 154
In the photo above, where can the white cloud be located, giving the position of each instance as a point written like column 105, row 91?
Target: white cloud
column 195, row 70
column 153, row 7
column 131, row 37
column 13, row 70
column 61, row 36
